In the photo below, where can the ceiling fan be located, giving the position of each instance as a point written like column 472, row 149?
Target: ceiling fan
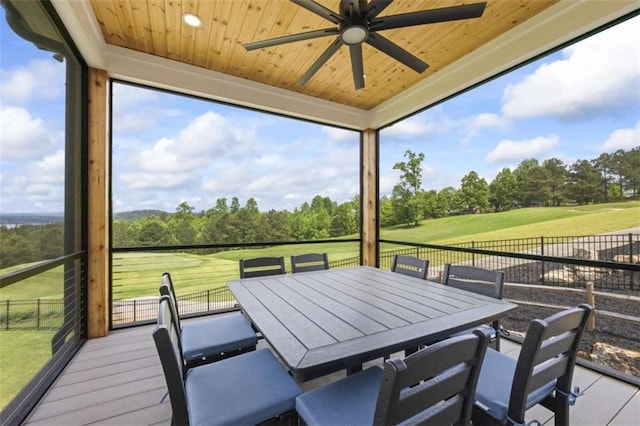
column 358, row 23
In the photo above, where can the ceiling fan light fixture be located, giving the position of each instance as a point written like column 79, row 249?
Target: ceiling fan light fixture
column 354, row 34
column 192, row 20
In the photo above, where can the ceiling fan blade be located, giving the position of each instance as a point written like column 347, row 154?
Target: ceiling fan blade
column 357, row 65
column 333, row 48
column 375, row 7
column 290, row 38
column 396, row 52
column 350, row 9
column 444, row 14
column 320, row 10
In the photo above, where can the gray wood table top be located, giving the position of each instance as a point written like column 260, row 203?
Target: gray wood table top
column 324, row 321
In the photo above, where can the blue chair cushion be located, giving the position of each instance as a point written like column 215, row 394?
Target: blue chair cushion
column 349, row 401
column 216, row 335
column 494, row 385
column 245, row 389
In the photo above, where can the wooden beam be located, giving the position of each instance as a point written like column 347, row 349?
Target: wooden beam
column 369, row 201
column 98, row 206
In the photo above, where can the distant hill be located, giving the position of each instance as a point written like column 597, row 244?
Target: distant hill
column 15, row 219
column 137, row 214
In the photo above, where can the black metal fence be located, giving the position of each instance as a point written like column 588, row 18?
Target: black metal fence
column 130, row 312
column 551, row 261
column 39, row 314
column 554, row 261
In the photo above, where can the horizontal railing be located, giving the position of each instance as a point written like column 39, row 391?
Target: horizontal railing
column 611, row 262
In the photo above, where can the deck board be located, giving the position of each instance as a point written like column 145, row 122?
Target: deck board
column 630, row 413
column 117, row 380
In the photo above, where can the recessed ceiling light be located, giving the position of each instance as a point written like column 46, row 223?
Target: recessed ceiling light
column 191, row 20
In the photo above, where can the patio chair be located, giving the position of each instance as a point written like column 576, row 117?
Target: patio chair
column 480, row 281
column 542, row 374
column 210, row 339
column 433, row 386
column 262, row 267
column 247, row 389
column 409, row 265
column 309, row 262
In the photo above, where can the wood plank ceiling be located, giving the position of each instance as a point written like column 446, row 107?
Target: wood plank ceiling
column 155, row 27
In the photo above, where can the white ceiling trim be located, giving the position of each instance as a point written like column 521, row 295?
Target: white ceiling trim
column 556, row 25
column 163, row 73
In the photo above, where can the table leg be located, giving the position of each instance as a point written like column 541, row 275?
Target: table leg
column 354, row 369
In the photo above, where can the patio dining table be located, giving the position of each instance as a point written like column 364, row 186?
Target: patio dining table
column 325, row 321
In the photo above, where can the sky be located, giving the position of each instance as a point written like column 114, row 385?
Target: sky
column 167, row 149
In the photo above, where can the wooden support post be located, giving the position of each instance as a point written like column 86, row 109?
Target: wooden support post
column 98, row 206
column 591, row 300
column 369, row 197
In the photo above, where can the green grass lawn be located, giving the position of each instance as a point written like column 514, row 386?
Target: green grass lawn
column 521, row 223
column 138, row 274
column 31, row 349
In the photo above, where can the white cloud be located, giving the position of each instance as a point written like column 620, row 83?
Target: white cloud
column 416, row 126
column 38, row 186
column 471, row 127
column 207, row 137
column 623, row 139
column 40, row 79
column 508, row 150
column 337, row 134
column 23, row 135
column 593, row 74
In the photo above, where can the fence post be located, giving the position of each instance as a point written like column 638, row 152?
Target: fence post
column 208, row 299
column 591, row 300
column 38, row 314
column 7, row 322
column 473, row 255
column 631, row 259
column 542, row 261
column 134, row 310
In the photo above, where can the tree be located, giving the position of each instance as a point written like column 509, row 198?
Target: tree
column 387, row 217
column 533, row 183
column 557, row 179
column 446, row 201
column 474, row 192
column 606, row 164
column 181, row 224
column 630, row 168
column 405, row 196
column 503, row 190
column 584, row 182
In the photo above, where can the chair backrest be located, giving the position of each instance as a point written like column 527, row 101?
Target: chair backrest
column 166, row 289
column 437, row 385
column 410, row 265
column 262, row 267
column 478, row 280
column 309, row 262
column 548, row 354
column 167, row 340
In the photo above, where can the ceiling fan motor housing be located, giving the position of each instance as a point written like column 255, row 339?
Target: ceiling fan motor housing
column 354, row 32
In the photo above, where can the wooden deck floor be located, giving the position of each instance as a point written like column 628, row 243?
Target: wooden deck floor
column 117, row 380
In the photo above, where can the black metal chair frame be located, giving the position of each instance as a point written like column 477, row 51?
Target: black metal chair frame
column 409, row 265
column 479, row 281
column 262, row 266
column 309, row 262
column 548, row 355
column 433, row 386
column 166, row 336
column 167, row 291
